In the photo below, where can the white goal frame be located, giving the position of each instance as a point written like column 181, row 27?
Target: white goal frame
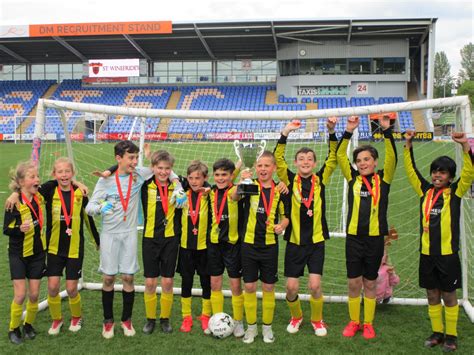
column 462, row 102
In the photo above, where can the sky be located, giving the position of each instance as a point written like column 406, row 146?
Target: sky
column 454, row 29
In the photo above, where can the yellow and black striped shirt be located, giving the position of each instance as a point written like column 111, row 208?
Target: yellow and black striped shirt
column 442, row 237
column 26, row 244
column 157, row 224
column 303, row 229
column 364, row 217
column 257, row 231
column 58, row 241
column 203, row 223
column 228, row 228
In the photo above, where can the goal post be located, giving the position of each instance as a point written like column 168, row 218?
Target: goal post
column 403, row 207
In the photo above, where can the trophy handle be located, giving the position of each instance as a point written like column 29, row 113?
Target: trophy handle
column 236, row 148
column 262, row 145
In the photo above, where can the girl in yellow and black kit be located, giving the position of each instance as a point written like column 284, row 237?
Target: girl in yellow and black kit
column 440, row 208
column 26, row 250
column 366, row 221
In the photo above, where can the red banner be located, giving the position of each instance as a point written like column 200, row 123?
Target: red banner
column 227, row 136
column 104, row 80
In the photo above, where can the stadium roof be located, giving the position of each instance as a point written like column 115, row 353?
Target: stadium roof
column 210, row 40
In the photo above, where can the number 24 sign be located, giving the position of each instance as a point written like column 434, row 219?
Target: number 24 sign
column 362, row 88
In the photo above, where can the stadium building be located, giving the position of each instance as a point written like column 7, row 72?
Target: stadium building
column 248, row 65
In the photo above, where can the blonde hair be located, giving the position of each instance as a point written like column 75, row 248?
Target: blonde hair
column 267, row 154
column 197, row 165
column 65, row 160
column 19, row 173
column 161, row 155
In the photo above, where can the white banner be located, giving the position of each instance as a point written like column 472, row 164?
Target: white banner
column 276, row 135
column 362, row 88
column 109, row 68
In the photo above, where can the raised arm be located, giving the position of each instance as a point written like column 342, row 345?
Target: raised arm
column 279, row 152
column 467, row 172
column 331, row 162
column 417, row 181
column 341, row 151
column 391, row 158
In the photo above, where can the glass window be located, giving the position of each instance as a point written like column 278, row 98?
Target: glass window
column 394, row 65
column 77, row 71
column 37, row 72
column 359, row 65
column 6, row 73
column 316, row 66
column 65, row 71
column 340, row 66
column 160, row 66
column 175, row 66
column 305, row 66
column 52, row 71
column 328, row 66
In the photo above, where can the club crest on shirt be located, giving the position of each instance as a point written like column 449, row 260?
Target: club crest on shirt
column 435, row 211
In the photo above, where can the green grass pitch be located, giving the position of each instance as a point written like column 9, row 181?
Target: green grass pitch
column 400, row 329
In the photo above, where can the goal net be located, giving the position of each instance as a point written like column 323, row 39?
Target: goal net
column 89, row 133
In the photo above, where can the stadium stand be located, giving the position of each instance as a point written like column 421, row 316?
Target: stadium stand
column 19, row 97
column 17, row 100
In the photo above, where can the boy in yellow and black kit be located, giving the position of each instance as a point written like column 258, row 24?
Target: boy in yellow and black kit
column 196, row 226
column 308, row 227
column 161, row 235
column 223, row 249
column 265, row 217
column 440, row 210
column 367, row 224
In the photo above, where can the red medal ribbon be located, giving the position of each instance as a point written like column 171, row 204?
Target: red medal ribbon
column 428, row 206
column 307, row 203
column 163, row 196
column 267, row 205
column 194, row 212
column 39, row 217
column 375, row 196
column 218, row 212
column 67, row 217
column 123, row 201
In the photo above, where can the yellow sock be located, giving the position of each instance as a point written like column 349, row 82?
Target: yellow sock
column 206, row 307
column 16, row 310
column 354, row 309
column 238, row 307
column 295, row 308
column 436, row 316
column 250, row 305
column 75, row 306
column 451, row 317
column 31, row 312
column 166, row 303
column 186, row 306
column 268, row 307
column 54, row 304
column 316, row 308
column 150, row 305
column 217, row 301
column 369, row 310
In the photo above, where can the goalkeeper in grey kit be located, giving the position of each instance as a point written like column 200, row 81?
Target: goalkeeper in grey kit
column 117, row 200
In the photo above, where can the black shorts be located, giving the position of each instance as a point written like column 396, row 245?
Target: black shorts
column 260, row 263
column 30, row 267
column 299, row 256
column 159, row 256
column 222, row 256
column 441, row 272
column 363, row 256
column 57, row 263
column 191, row 261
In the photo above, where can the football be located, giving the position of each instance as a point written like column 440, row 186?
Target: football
column 221, row 325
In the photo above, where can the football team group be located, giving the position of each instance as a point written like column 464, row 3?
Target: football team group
column 192, row 227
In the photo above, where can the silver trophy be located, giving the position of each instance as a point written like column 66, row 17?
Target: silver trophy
column 248, row 153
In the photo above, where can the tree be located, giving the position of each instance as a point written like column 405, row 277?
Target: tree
column 467, row 62
column 443, row 82
column 467, row 88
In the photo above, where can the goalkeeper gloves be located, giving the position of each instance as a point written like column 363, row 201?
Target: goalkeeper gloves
column 106, row 208
column 178, row 197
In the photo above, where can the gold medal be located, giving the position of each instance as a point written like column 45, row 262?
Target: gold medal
column 69, row 231
column 195, row 231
